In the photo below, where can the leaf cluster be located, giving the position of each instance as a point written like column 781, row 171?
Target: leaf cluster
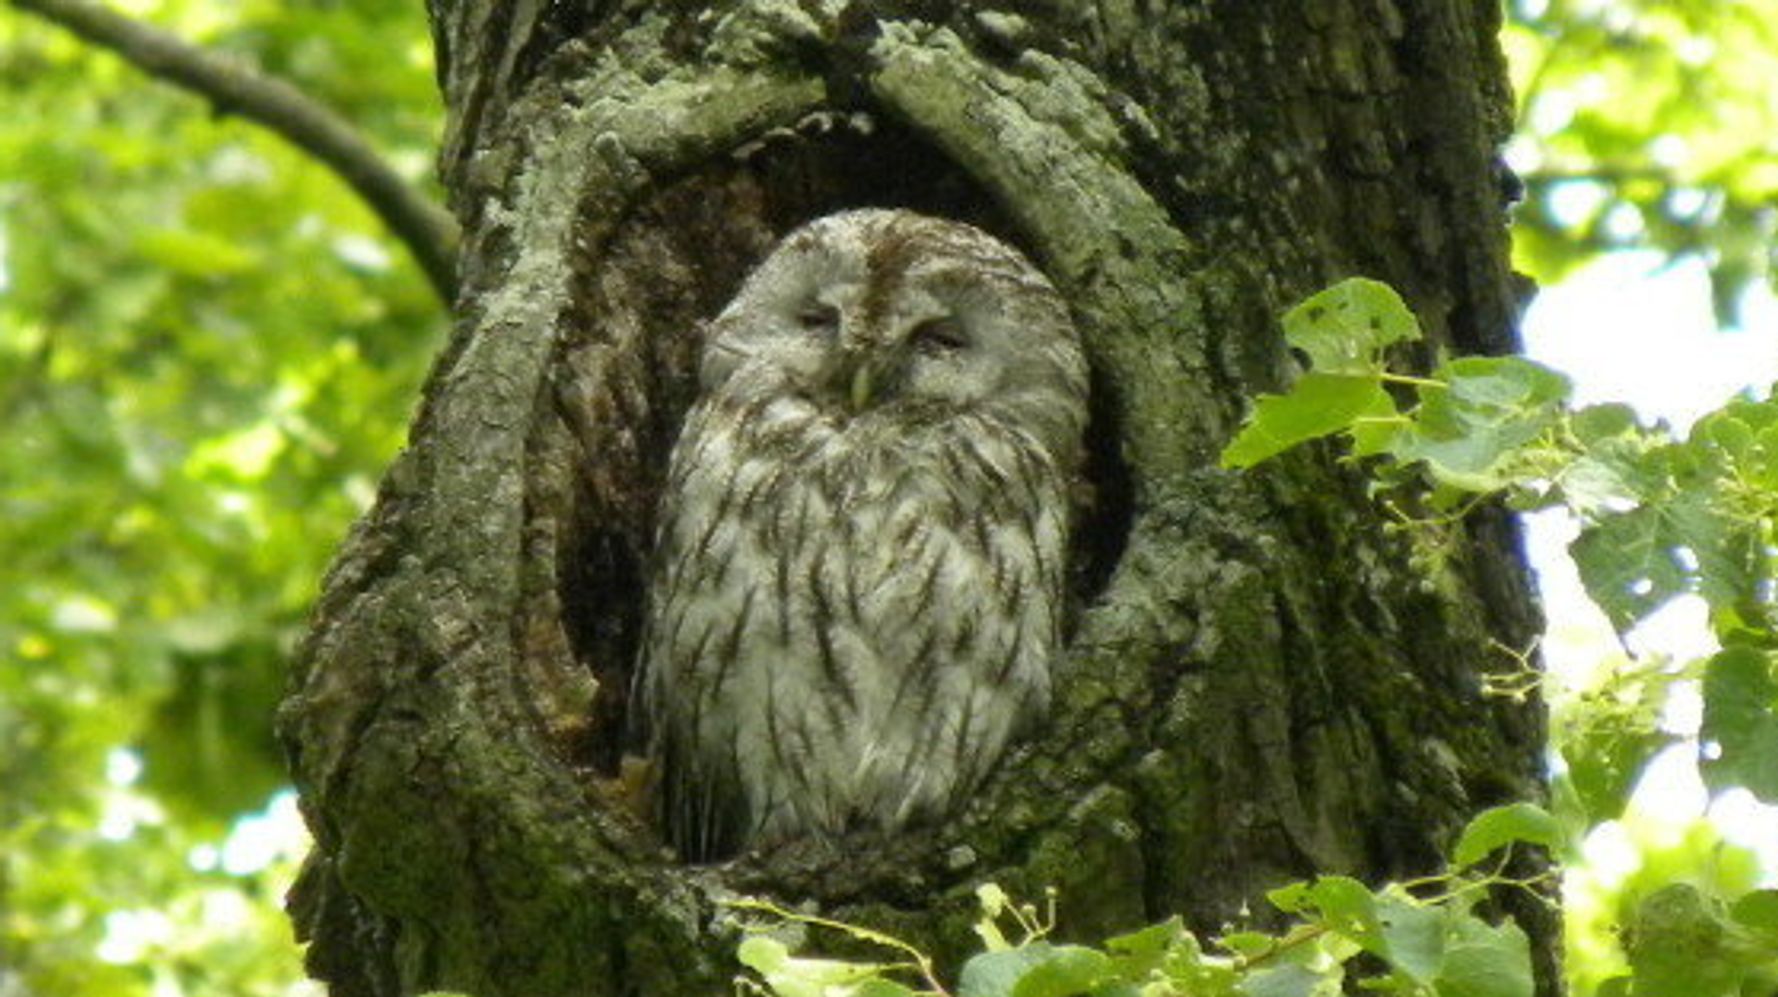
column 1423, row 939
column 1659, row 517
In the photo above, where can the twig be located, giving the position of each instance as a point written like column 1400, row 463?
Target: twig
column 429, row 231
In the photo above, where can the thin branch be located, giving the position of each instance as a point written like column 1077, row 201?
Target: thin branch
column 429, row 231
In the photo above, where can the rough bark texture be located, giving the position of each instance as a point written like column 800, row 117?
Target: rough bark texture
column 1260, row 684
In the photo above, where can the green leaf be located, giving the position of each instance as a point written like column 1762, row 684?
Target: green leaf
column 1484, row 960
column 1633, row 562
column 1741, row 718
column 790, row 976
column 1067, row 970
column 1317, row 405
column 1345, row 328
column 1679, row 946
column 1499, row 826
column 1595, row 424
column 995, row 974
column 1471, row 432
column 762, row 954
column 1291, row 897
column 1759, row 911
column 1413, row 937
column 1140, row 952
column 1150, row 941
column 1350, row 909
column 1293, row 980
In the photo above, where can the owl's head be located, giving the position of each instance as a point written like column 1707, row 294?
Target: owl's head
column 880, row 313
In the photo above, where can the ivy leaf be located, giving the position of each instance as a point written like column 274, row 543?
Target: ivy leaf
column 1499, row 826
column 1320, row 404
column 1741, row 717
column 1344, row 328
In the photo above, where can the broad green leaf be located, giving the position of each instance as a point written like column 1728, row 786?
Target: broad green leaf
column 1140, row 952
column 1499, row 826
column 1345, row 328
column 1066, row 970
column 1679, row 945
column 1317, row 405
column 996, row 974
column 1291, row 897
column 1248, row 944
column 1627, row 563
column 1150, row 941
column 1349, row 909
column 1484, row 960
column 762, row 954
column 1293, row 980
column 1470, row 432
column 1413, row 937
column 1741, row 718
column 1595, row 424
column 1759, row 911
column 791, row 976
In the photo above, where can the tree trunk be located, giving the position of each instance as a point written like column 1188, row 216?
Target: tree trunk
column 1260, row 684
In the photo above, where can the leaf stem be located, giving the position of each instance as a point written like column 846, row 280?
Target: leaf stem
column 1418, row 382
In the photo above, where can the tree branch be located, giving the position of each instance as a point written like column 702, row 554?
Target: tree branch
column 429, row 231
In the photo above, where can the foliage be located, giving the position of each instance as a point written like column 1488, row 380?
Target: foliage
column 1420, row 938
column 207, row 351
column 1659, row 517
column 1647, row 123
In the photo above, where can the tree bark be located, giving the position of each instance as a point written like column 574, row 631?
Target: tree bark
column 1261, row 683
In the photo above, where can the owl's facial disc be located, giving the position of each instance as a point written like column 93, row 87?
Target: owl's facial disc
column 877, row 366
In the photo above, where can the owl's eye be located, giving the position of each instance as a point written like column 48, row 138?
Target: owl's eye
column 938, row 336
column 817, row 318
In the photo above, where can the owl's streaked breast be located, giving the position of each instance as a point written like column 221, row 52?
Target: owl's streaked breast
column 852, row 613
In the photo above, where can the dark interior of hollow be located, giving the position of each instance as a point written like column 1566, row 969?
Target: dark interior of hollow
column 710, row 228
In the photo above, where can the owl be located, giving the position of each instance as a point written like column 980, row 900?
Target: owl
column 856, row 596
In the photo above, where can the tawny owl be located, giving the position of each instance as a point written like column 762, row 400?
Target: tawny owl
column 859, row 570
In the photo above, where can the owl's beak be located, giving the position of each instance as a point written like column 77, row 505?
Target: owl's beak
column 859, row 394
